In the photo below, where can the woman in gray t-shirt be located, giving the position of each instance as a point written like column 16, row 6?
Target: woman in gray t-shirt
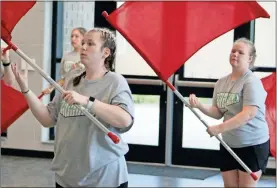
column 84, row 155
column 240, row 99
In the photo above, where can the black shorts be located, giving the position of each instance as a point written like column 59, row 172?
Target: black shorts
column 254, row 157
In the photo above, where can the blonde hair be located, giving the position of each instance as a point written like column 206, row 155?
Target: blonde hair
column 81, row 30
column 251, row 47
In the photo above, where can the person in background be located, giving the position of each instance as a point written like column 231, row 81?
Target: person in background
column 71, row 60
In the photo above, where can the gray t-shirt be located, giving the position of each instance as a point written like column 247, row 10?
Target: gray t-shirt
column 230, row 97
column 68, row 60
column 84, row 155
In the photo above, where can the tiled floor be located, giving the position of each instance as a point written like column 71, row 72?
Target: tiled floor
column 32, row 172
column 214, row 181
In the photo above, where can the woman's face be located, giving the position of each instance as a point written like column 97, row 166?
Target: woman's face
column 76, row 39
column 92, row 52
column 240, row 56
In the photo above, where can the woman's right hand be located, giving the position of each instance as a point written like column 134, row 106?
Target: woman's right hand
column 194, row 101
column 21, row 78
column 4, row 56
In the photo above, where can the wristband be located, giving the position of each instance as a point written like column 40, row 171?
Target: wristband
column 5, row 64
column 90, row 103
column 92, row 99
column 24, row 92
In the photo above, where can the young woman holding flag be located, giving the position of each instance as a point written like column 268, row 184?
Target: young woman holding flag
column 84, row 155
column 240, row 98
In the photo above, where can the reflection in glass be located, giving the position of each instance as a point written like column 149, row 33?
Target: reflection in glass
column 128, row 61
column 145, row 130
column 215, row 54
column 262, row 74
column 194, row 131
column 265, row 37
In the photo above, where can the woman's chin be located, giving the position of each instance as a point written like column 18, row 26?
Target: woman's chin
column 233, row 63
column 76, row 46
column 84, row 62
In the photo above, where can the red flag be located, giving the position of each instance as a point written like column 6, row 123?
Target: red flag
column 13, row 105
column 269, row 83
column 11, row 13
column 167, row 34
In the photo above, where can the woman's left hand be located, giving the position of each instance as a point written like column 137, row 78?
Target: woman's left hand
column 72, row 97
column 213, row 130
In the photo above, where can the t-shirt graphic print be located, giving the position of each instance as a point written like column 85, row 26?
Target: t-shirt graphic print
column 68, row 110
column 226, row 99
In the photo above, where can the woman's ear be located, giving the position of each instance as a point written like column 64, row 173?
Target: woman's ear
column 107, row 52
column 250, row 59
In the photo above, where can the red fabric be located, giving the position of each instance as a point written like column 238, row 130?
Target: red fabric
column 269, row 83
column 167, row 34
column 13, row 105
column 11, row 13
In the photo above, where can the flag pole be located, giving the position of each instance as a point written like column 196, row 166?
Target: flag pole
column 112, row 136
column 253, row 175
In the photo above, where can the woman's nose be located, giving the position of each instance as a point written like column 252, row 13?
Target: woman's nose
column 235, row 54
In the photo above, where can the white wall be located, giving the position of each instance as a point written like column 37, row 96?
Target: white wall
column 32, row 36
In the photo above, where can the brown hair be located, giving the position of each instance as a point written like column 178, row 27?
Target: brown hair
column 108, row 38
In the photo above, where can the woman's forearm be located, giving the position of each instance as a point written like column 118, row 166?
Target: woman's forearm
column 8, row 78
column 210, row 111
column 239, row 120
column 113, row 115
column 38, row 109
